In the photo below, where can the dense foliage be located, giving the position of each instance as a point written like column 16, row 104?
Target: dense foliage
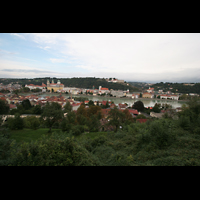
column 4, row 107
column 177, row 87
column 158, row 142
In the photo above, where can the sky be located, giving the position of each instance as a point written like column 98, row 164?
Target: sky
column 137, row 57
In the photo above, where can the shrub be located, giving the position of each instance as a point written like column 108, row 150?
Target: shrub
column 77, row 130
column 5, row 147
column 16, row 122
column 31, row 122
column 184, row 122
column 98, row 141
column 160, row 132
column 54, row 150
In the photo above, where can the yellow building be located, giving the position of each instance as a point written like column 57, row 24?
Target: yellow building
column 147, row 95
column 54, row 86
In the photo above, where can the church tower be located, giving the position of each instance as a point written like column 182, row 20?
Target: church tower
column 48, row 83
column 52, row 81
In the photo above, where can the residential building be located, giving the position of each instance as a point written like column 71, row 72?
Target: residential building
column 168, row 96
column 122, row 106
column 117, row 93
column 32, row 86
column 147, row 95
column 103, row 90
column 156, row 115
column 150, row 90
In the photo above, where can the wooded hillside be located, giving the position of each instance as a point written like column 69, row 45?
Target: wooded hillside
column 87, row 82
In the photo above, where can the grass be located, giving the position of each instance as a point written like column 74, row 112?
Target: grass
column 27, row 135
column 91, row 135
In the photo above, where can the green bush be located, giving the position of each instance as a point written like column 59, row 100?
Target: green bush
column 31, row 122
column 77, row 130
column 54, row 150
column 16, row 122
column 184, row 122
column 160, row 132
column 98, row 141
column 169, row 161
column 5, row 147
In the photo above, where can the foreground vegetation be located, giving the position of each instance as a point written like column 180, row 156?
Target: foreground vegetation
column 160, row 142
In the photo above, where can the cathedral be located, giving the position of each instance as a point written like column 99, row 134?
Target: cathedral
column 54, row 86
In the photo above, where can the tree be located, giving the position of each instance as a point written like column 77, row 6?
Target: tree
column 26, row 104
column 4, row 107
column 115, row 117
column 68, row 122
column 157, row 108
column 67, row 107
column 52, row 113
column 37, row 110
column 26, row 89
column 82, row 110
column 31, row 122
column 90, row 103
column 93, row 110
column 16, row 122
column 128, row 117
column 81, row 119
column 94, row 124
column 52, row 90
column 138, row 105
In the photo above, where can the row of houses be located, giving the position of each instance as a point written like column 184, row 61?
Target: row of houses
column 11, row 87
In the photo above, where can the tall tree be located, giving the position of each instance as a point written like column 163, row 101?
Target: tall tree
column 52, row 113
column 26, row 104
column 138, row 105
column 90, row 103
column 115, row 116
column 67, row 107
column 4, row 107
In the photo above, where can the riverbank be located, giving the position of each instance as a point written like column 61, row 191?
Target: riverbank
column 129, row 98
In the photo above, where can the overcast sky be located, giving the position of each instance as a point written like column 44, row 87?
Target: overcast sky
column 144, row 57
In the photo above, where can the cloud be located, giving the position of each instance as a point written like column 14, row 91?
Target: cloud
column 44, row 48
column 18, row 35
column 4, row 52
column 55, row 60
column 26, row 70
column 128, row 56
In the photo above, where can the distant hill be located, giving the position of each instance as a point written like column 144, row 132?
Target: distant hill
column 87, row 82
column 178, row 87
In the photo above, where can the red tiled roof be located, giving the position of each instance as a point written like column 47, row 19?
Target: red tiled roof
column 76, row 104
column 12, row 106
column 141, row 120
column 133, row 111
column 105, row 111
column 2, row 98
column 122, row 105
column 164, row 95
column 112, row 105
column 104, row 89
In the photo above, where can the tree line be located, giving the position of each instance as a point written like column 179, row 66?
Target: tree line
column 177, row 87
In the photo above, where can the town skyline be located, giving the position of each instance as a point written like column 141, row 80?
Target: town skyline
column 133, row 57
